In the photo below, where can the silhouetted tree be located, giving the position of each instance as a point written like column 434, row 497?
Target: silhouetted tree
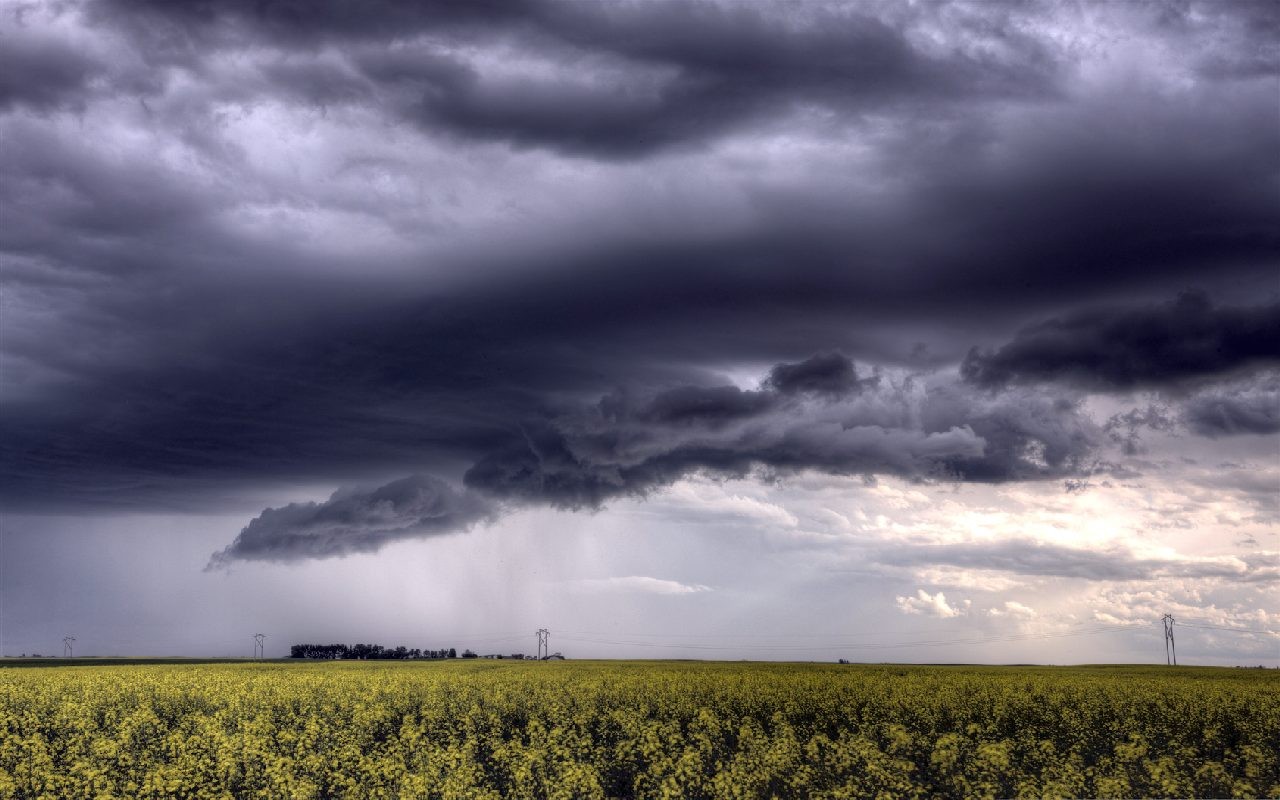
column 363, row 651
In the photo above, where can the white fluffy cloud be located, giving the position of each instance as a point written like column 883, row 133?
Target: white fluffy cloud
column 1014, row 609
column 931, row 604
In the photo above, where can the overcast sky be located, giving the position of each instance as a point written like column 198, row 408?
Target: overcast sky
column 884, row 331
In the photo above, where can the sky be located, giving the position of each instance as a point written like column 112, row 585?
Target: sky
column 887, row 331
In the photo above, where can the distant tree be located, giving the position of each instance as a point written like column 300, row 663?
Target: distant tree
column 362, row 651
column 468, row 654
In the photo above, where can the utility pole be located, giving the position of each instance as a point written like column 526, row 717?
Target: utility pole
column 1170, row 649
column 544, row 643
column 259, row 649
column 66, row 646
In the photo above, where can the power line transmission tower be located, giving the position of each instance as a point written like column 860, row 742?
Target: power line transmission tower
column 544, row 643
column 259, row 649
column 66, row 646
column 1170, row 649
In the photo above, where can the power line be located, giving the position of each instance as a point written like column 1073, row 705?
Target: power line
column 858, row 646
column 511, row 638
column 1229, row 630
column 823, row 636
column 828, row 638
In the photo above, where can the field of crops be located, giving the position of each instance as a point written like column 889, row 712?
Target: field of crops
column 635, row 729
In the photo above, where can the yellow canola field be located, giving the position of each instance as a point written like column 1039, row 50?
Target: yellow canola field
column 635, row 729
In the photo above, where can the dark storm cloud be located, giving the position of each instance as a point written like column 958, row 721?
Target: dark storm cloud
column 1125, row 429
column 828, row 374
column 353, row 521
column 223, row 23
column 713, row 406
column 1252, row 408
column 41, row 73
column 182, row 322
column 247, row 399
column 627, row 446
column 716, row 69
column 656, row 75
column 1148, row 200
column 942, row 432
column 1128, row 348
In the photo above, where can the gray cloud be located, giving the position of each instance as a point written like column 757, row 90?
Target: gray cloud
column 1027, row 557
column 934, row 432
column 1124, row 429
column 632, row 446
column 235, row 283
column 827, row 374
column 1252, row 408
column 1126, row 348
column 656, row 77
column 712, row 406
column 355, row 521
column 41, row 73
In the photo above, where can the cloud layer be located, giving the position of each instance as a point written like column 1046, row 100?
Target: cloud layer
column 813, row 415
column 553, row 254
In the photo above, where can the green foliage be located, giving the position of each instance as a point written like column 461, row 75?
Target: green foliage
column 635, row 729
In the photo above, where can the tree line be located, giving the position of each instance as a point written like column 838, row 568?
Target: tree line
column 369, row 651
